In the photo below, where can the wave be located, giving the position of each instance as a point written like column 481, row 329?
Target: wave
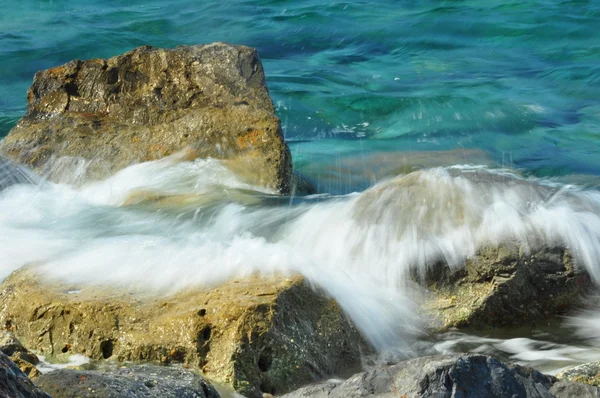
column 170, row 224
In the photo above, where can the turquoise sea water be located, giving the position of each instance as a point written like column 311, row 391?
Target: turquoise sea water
column 519, row 80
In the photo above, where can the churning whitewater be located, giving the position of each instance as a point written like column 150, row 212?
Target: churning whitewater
column 166, row 225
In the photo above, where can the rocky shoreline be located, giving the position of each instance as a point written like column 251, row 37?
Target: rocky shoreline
column 257, row 336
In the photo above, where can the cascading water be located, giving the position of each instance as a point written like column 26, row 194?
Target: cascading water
column 12, row 174
column 170, row 224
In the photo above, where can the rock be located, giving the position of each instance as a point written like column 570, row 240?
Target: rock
column 102, row 115
column 12, row 174
column 255, row 335
column 588, row 373
column 11, row 346
column 21, row 356
column 14, row 383
column 505, row 285
column 517, row 273
column 457, row 375
column 132, row 382
column 566, row 389
column 26, row 367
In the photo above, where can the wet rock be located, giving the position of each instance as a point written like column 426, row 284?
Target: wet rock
column 255, row 335
column 11, row 346
column 88, row 119
column 26, row 367
column 14, row 383
column 588, row 373
column 517, row 273
column 506, row 285
column 21, row 356
column 132, row 382
column 566, row 389
column 457, row 375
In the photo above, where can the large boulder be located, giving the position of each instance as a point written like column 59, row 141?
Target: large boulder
column 14, row 383
column 473, row 239
column 255, row 335
column 130, row 382
column 452, row 376
column 506, row 285
column 88, row 119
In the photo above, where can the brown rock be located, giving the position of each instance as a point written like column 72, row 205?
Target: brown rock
column 149, row 103
column 26, row 367
column 12, row 347
column 256, row 335
column 505, row 285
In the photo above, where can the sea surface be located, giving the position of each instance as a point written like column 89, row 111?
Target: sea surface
column 395, row 110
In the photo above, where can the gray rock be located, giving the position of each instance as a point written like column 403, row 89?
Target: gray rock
column 100, row 116
column 457, row 375
column 14, row 383
column 138, row 381
column 10, row 346
column 567, row 389
column 588, row 373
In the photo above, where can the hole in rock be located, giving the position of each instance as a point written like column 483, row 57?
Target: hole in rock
column 112, row 76
column 206, row 333
column 107, row 348
column 266, row 387
column 265, row 360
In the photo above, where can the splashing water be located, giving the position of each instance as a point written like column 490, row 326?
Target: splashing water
column 170, row 224
column 11, row 174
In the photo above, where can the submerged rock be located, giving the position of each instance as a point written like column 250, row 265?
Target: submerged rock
column 255, row 335
column 481, row 243
column 131, row 382
column 88, row 119
column 506, row 285
column 14, row 383
column 456, row 375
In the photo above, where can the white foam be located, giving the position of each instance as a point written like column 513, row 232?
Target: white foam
column 72, row 362
column 546, row 356
column 359, row 248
